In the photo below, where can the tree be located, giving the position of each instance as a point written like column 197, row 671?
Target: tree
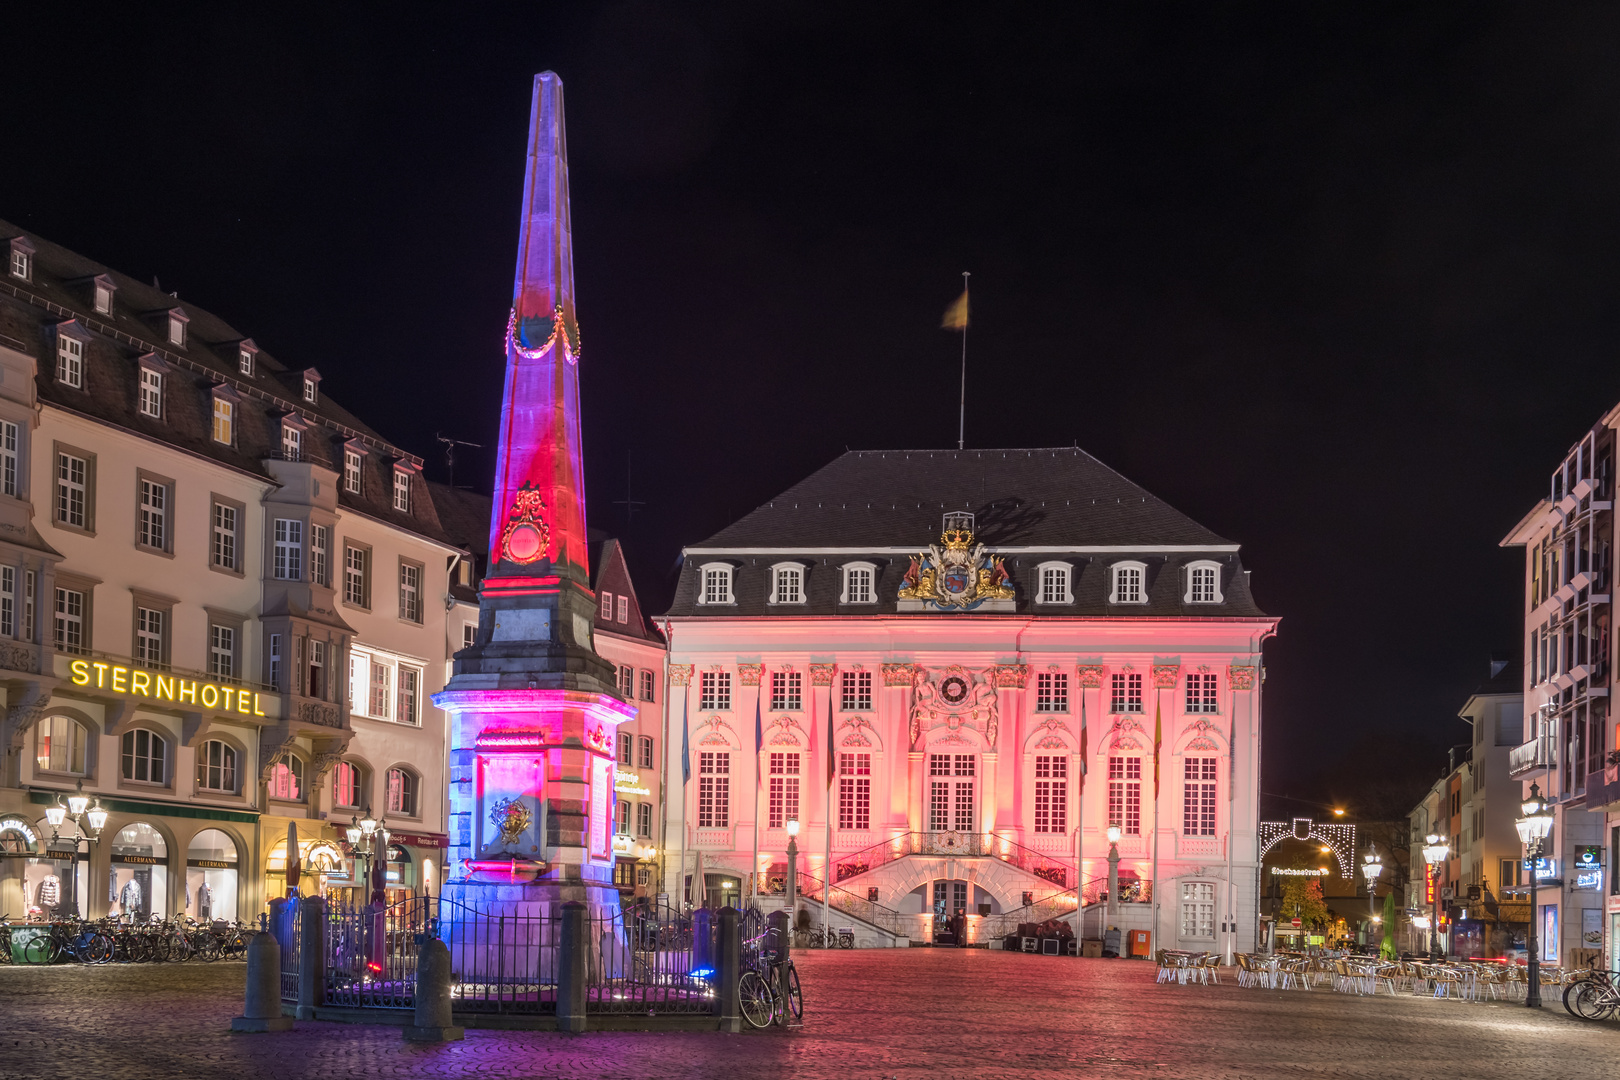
column 1302, row 899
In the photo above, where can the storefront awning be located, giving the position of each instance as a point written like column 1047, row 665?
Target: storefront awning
column 45, row 797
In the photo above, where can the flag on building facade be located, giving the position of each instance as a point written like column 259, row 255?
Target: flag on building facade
column 1158, row 740
column 759, row 742
column 832, row 761
column 1082, row 739
column 956, row 316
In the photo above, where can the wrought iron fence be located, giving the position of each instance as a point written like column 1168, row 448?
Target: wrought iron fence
column 652, row 960
column 287, row 925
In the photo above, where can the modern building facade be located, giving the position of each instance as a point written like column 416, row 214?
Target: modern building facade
column 222, row 608
column 955, row 670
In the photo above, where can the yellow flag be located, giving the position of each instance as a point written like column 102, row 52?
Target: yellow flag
column 956, row 316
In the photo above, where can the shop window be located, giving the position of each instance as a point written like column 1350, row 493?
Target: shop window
column 211, row 876
column 60, row 743
column 139, row 882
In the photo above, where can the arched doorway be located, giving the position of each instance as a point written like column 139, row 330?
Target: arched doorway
column 212, row 861
column 138, row 879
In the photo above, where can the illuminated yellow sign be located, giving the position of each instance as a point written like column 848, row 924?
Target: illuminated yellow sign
column 160, row 687
column 628, row 783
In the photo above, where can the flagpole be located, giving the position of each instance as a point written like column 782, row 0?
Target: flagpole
column 753, row 872
column 961, row 416
column 1079, row 836
column 686, row 777
column 1157, row 693
column 826, row 866
column 1231, row 816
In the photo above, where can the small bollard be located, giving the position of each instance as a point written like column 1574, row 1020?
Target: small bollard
column 263, row 1008
column 433, row 1020
column 573, row 959
column 728, row 970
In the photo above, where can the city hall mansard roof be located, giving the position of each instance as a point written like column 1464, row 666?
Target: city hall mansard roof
column 1032, row 507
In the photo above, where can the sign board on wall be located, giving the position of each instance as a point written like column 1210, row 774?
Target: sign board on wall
column 601, row 812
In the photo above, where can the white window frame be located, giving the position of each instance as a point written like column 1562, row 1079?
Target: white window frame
column 1192, row 570
column 246, row 359
column 357, row 575
column 224, row 420
column 312, row 391
column 156, row 759
column 102, row 293
column 154, row 501
column 392, row 680
column 1063, row 576
column 712, row 574
column 402, row 490
column 213, row 772
column 850, row 595
column 1116, row 575
column 10, row 458
column 67, row 487
column 150, row 631
column 225, row 536
column 320, row 549
column 150, row 393
column 222, row 650
column 21, row 263
column 622, row 614
column 411, row 575
column 8, row 601
column 607, row 605
column 787, row 583
column 177, row 328
column 292, row 442
column 69, row 358
column 351, row 471
column 287, row 557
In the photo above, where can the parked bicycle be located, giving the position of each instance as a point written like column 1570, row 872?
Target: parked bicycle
column 766, row 972
column 1592, row 995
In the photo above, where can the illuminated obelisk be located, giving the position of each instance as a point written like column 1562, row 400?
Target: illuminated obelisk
column 533, row 708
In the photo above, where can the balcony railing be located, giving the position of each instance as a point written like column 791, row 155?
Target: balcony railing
column 1528, row 759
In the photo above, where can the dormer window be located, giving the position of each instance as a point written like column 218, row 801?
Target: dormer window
column 22, row 258
column 351, row 471
column 860, row 584
column 150, row 401
column 716, row 578
column 787, row 584
column 69, row 356
column 1054, row 583
column 1128, row 584
column 102, row 290
column 402, row 490
column 312, row 386
column 247, row 355
column 177, row 327
column 225, row 401
column 292, row 442
column 1203, row 583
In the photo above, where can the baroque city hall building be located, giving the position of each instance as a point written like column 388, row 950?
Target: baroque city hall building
column 956, row 670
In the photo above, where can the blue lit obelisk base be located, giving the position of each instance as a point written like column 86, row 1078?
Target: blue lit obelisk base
column 534, row 710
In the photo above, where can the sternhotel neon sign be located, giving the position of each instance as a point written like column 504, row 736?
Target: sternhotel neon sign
column 161, row 687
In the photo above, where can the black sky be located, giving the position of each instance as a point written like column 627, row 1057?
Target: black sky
column 1337, row 280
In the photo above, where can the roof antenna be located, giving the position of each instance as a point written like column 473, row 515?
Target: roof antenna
column 956, row 318
column 450, row 454
column 627, row 502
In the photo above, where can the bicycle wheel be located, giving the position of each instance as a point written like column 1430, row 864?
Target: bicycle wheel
column 755, row 997
column 846, row 941
column 795, row 996
column 1592, row 1001
column 96, row 949
column 42, row 950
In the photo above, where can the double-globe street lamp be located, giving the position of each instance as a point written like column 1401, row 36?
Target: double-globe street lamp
column 79, row 809
column 1534, row 828
column 368, row 839
column 1371, row 867
column 1435, row 850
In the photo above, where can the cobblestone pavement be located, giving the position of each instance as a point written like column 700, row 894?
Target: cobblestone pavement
column 905, row 1015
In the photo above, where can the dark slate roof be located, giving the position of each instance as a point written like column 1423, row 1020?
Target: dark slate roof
column 62, row 289
column 464, row 516
column 884, row 498
column 610, row 571
column 880, row 506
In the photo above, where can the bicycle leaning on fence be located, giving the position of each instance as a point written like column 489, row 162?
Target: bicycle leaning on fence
column 766, row 971
column 1594, row 995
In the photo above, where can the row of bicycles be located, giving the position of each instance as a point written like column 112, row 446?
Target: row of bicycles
column 1592, row 995
column 110, row 941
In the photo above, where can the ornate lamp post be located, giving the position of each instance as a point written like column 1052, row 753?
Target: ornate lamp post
column 1435, row 850
column 792, row 868
column 368, row 838
column 1113, row 870
column 1371, row 867
column 1534, row 828
column 79, row 809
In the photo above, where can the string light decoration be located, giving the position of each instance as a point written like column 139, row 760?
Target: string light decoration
column 1341, row 838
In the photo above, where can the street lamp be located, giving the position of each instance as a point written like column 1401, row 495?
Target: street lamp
column 79, row 809
column 368, row 838
column 1113, row 870
column 1435, row 849
column 1533, row 828
column 1371, row 867
column 792, row 867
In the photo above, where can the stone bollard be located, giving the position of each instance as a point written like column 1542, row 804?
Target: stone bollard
column 573, row 955
column 729, row 970
column 263, row 1008
column 311, row 956
column 433, row 1020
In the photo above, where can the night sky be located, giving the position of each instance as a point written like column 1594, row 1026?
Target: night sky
column 1336, row 280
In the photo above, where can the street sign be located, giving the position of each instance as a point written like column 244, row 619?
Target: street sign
column 1297, row 923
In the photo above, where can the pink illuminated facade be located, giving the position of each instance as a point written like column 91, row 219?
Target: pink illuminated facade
column 967, row 665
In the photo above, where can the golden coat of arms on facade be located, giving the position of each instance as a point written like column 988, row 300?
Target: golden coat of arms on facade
column 956, row 572
column 512, row 818
column 527, row 537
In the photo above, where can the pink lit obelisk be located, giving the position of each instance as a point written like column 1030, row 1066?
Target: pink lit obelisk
column 533, row 708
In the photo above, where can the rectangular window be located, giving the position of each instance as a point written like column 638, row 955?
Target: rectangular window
column 149, row 636
column 1127, row 585
column 177, row 331
column 225, row 537
column 410, row 683
column 317, row 669
column 1201, row 692
column 784, row 790
column 1052, row 691
column 716, row 585
column 858, row 585
column 622, row 823
column 292, row 443
column 154, row 515
column 224, row 421
column 1198, row 796
column 857, row 690
column 624, row 609
column 1125, row 794
column 289, row 549
column 1054, row 585
column 402, row 491
column 151, row 393
column 644, row 822
column 21, row 264
column 714, row 790
column 469, row 635
column 410, row 592
column 9, row 441
column 275, row 661
column 355, row 590
column 310, row 392
column 1126, row 693
column 104, row 299
column 939, row 806
column 222, row 651
column 714, row 691
column 787, row 690
column 648, row 685
column 789, row 585
column 625, row 681
column 1197, row 910
column 962, row 818
column 382, row 690
column 855, row 791
column 317, row 555
column 70, row 362
column 1203, row 585
column 72, row 491
column 607, row 605
column 70, row 637
column 645, row 746
column 244, row 361
column 351, row 471
column 28, row 606
column 8, row 601
column 627, row 749
column 1051, row 793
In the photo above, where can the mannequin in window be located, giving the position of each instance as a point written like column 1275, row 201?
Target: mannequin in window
column 205, row 902
column 49, row 894
column 129, row 898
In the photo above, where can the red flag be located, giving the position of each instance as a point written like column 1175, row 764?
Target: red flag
column 1158, row 740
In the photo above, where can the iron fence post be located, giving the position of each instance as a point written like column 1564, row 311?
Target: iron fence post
column 572, row 957
column 730, row 964
column 311, row 956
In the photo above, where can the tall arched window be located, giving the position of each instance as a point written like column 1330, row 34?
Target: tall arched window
column 346, row 785
column 60, row 745
column 216, row 766
column 402, row 787
column 287, row 779
column 145, row 757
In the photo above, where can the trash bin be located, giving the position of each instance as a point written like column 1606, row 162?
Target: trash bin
column 1140, row 943
column 21, row 936
column 1091, row 947
column 1111, row 942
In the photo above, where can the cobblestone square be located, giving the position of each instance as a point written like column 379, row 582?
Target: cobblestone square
column 870, row 1014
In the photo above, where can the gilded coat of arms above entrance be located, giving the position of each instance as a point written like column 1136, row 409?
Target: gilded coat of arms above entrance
column 956, row 574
